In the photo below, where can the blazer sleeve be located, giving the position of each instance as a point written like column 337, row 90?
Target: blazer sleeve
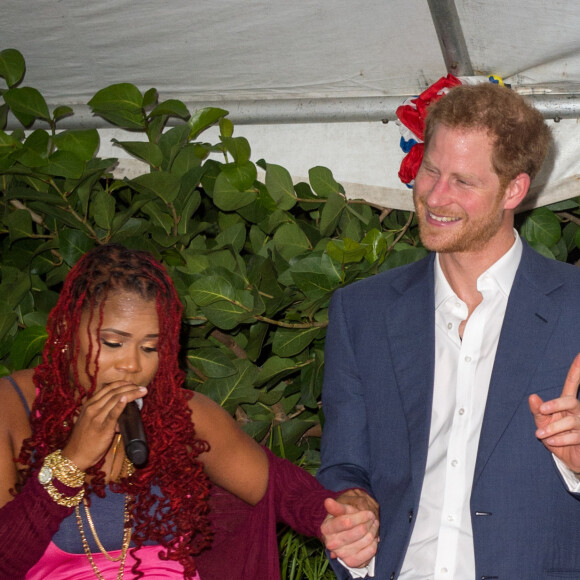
column 345, row 445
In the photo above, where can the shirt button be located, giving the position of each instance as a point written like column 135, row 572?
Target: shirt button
column 449, row 325
column 450, row 518
column 454, row 463
column 467, row 359
column 461, row 411
column 443, row 570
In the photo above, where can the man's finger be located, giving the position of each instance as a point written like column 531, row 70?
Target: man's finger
column 572, row 379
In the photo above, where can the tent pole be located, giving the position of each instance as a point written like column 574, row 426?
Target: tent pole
column 451, row 39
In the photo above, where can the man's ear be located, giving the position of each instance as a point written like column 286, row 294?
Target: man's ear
column 516, row 191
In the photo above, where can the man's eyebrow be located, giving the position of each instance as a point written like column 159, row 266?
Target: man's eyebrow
column 127, row 334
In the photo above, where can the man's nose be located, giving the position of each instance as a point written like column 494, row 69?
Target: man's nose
column 439, row 194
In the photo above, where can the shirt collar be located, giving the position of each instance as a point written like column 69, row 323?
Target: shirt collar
column 501, row 272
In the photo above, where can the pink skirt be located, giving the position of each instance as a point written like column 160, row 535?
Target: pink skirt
column 58, row 565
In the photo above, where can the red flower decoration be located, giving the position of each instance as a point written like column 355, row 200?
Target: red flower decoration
column 412, row 115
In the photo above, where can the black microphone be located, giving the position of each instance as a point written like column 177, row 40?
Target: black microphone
column 133, row 433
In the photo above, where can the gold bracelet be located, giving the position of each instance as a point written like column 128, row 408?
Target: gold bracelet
column 57, row 467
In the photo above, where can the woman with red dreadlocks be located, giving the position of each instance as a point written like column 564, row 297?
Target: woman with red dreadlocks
column 73, row 506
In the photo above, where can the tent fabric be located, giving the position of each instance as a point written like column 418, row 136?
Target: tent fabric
column 259, row 50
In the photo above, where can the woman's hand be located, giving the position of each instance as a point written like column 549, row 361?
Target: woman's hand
column 96, row 425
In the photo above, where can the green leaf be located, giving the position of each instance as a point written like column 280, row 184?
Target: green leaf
column 159, row 215
column 171, row 108
column 241, row 175
column 290, row 342
column 27, row 103
column 190, row 202
column 73, row 244
column 188, row 160
column 346, row 250
column 65, row 164
column 27, row 344
column 63, row 111
column 84, row 144
column 116, row 97
column 234, row 236
column 227, row 197
column 311, row 279
column 238, row 148
column 8, row 144
column 280, row 186
column 291, row 241
column 12, row 66
column 402, row 257
column 148, row 152
column 541, row 227
column 163, row 184
column 202, row 119
column 331, row 212
column 19, row 224
column 8, row 319
column 212, row 362
column 120, row 104
column 226, row 127
column 15, row 285
column 323, row 182
column 376, row 246
column 234, row 390
column 150, row 98
column 277, row 368
column 210, row 289
column 225, row 314
column 103, row 207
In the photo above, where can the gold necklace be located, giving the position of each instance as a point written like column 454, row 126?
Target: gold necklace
column 128, row 468
column 126, row 540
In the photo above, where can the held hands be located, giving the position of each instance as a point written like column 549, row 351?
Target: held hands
column 558, row 420
column 96, row 425
column 350, row 530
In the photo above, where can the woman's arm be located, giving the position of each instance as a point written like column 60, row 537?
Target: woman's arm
column 27, row 524
column 28, row 520
column 234, row 460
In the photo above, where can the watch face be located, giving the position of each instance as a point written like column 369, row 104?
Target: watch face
column 45, row 475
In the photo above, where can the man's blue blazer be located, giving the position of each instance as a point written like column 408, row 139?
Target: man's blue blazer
column 377, row 396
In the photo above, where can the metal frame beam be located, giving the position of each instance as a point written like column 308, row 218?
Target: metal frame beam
column 451, row 39
column 270, row 112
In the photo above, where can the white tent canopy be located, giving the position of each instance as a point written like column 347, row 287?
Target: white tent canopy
column 309, row 83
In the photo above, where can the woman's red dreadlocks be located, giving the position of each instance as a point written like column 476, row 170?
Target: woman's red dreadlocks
column 177, row 519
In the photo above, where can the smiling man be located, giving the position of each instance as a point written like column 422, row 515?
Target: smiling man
column 451, row 384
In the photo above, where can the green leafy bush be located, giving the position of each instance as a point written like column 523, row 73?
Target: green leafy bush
column 255, row 257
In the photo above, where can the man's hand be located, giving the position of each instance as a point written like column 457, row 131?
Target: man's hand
column 350, row 530
column 558, row 420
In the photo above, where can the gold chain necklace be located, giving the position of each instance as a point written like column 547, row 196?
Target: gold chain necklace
column 124, row 549
column 129, row 468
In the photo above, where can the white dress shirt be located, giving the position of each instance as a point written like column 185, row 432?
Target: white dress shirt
column 441, row 546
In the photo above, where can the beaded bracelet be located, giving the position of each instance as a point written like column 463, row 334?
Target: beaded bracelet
column 57, row 467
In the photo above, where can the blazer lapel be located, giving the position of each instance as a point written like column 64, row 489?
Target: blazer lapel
column 412, row 338
column 529, row 321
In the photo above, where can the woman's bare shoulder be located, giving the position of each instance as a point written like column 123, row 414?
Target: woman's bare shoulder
column 10, row 397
